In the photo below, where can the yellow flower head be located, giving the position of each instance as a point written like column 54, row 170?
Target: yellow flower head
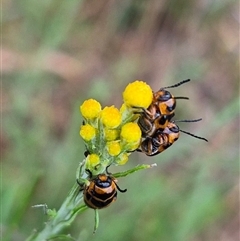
column 111, row 117
column 138, row 94
column 111, row 134
column 92, row 161
column 131, row 133
column 87, row 132
column 90, row 109
column 122, row 159
column 114, row 148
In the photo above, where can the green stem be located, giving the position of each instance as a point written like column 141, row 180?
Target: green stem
column 135, row 169
column 96, row 221
column 63, row 218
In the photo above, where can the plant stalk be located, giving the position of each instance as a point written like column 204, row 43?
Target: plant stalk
column 64, row 216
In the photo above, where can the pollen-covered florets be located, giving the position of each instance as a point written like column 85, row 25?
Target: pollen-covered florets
column 110, row 117
column 131, row 135
column 92, row 161
column 111, row 134
column 90, row 109
column 138, row 94
column 114, row 148
column 87, row 132
column 131, row 132
column 122, row 159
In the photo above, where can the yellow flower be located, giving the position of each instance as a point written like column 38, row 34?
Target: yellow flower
column 92, row 161
column 90, row 109
column 111, row 117
column 131, row 132
column 111, row 134
column 114, row 148
column 138, row 94
column 122, row 159
column 87, row 132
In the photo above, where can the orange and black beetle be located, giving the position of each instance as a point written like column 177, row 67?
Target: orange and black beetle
column 165, row 101
column 101, row 191
column 161, row 140
column 152, row 120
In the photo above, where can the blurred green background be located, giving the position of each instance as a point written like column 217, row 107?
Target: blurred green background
column 57, row 53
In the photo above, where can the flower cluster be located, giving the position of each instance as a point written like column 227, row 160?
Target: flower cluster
column 111, row 134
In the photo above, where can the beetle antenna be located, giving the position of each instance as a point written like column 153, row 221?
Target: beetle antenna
column 119, row 189
column 181, row 97
column 196, row 120
column 176, row 85
column 190, row 134
column 109, row 173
